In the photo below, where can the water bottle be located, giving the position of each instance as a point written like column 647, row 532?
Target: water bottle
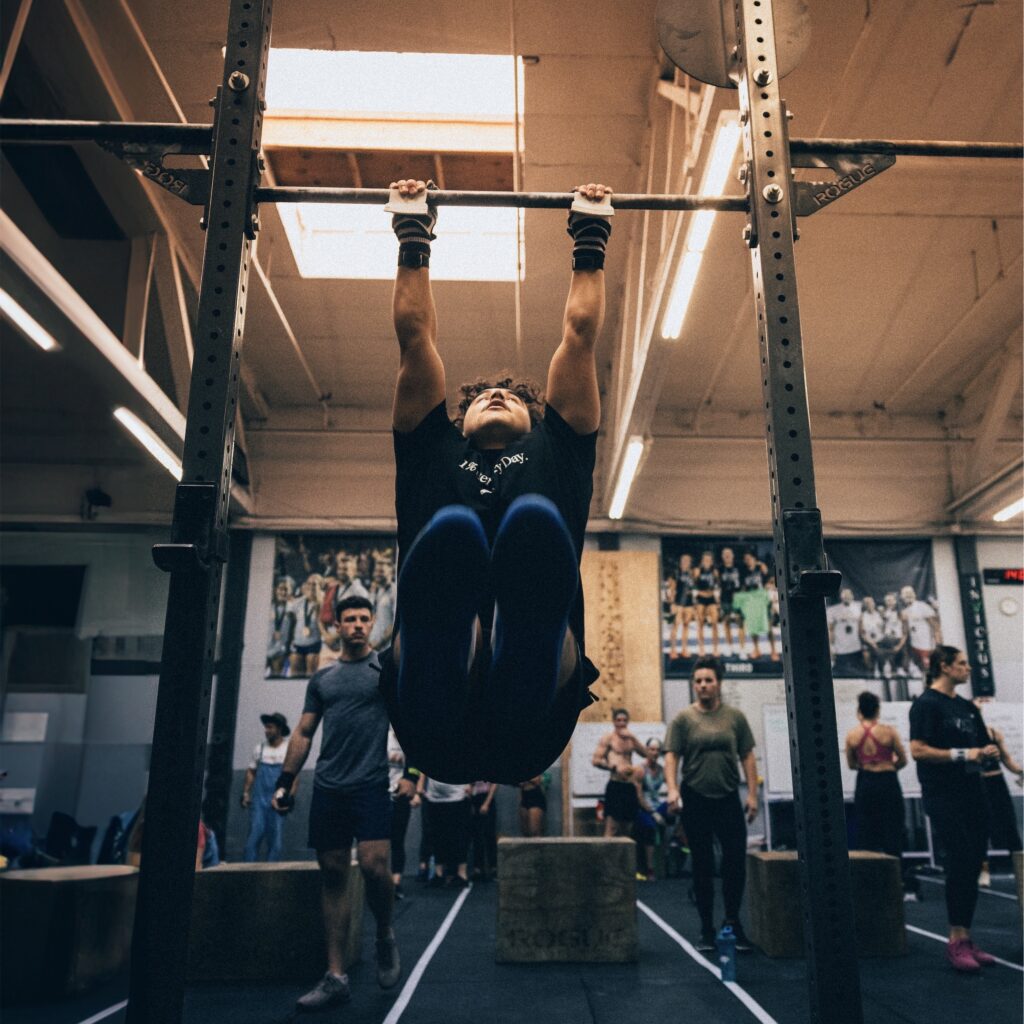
column 726, row 946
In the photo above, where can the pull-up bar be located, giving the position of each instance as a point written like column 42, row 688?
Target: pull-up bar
column 531, row 200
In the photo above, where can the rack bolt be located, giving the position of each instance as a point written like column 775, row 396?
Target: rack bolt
column 747, row 232
column 741, row 174
column 254, row 223
column 762, row 76
column 773, row 193
column 238, row 81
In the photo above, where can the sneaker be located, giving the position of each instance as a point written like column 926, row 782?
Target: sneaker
column 983, row 958
column 985, row 879
column 706, row 942
column 743, row 944
column 911, row 897
column 389, row 966
column 330, row 991
column 641, row 877
column 960, row 956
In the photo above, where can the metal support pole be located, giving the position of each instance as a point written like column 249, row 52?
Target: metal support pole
column 803, row 579
column 198, row 534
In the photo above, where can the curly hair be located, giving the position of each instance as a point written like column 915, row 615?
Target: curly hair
column 528, row 390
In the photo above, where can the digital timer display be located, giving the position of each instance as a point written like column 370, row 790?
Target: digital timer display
column 1004, row 577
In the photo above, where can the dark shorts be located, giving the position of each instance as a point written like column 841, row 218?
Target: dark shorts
column 620, row 801
column 533, row 798
column 479, row 745
column 336, row 817
column 706, row 602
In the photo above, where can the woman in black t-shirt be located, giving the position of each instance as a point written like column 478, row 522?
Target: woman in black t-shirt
column 951, row 745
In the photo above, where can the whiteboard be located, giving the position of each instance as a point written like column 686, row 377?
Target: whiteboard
column 587, row 780
column 778, row 767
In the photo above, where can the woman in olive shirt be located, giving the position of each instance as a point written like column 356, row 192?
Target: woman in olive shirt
column 712, row 739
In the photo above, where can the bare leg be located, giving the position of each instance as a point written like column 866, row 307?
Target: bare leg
column 712, row 612
column 535, row 816
column 374, row 857
column 337, row 907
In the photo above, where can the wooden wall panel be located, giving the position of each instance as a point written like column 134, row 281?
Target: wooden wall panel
column 623, row 630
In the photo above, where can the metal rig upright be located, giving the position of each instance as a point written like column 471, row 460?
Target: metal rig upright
column 198, row 547
column 801, row 569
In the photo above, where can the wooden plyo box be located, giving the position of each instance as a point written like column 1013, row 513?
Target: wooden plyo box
column 566, row 901
column 64, row 930
column 775, row 906
column 263, row 922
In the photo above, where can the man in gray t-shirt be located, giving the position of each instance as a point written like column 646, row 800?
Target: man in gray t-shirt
column 350, row 797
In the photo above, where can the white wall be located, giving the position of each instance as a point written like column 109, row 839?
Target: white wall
column 124, row 593
column 93, row 761
column 256, row 694
column 1004, row 616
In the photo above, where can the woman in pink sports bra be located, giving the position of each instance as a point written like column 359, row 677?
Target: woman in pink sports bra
column 875, row 752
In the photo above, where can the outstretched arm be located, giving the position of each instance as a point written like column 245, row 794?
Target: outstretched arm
column 421, row 384
column 572, row 376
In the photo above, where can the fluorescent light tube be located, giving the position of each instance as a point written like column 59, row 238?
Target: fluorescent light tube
column 723, row 151
column 720, row 161
column 630, row 464
column 145, row 436
column 1009, row 512
column 28, row 325
column 682, row 292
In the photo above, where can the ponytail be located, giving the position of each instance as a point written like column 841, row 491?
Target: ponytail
column 942, row 656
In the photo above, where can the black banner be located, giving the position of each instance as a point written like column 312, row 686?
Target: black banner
column 983, row 682
column 719, row 597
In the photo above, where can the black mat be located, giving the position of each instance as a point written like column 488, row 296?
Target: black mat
column 463, row 984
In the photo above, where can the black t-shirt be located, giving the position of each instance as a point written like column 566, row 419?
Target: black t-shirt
column 707, row 579
column 946, row 723
column 753, row 579
column 729, row 577
column 435, row 465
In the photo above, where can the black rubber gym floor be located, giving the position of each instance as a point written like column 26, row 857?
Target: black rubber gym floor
column 461, row 984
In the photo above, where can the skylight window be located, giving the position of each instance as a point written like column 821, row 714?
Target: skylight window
column 356, row 118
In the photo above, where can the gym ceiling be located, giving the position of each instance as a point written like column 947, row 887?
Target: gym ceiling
column 910, row 287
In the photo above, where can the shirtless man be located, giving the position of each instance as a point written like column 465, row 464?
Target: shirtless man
column 614, row 754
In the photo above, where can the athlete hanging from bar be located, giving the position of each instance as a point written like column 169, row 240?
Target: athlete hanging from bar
column 488, row 674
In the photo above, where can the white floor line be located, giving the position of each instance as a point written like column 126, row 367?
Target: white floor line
column 421, row 965
column 944, row 939
column 981, row 888
column 104, row 1014
column 741, row 994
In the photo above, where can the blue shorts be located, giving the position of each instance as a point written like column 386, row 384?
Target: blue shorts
column 336, row 817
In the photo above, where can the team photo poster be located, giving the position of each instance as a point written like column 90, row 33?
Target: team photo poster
column 313, row 574
column 719, row 596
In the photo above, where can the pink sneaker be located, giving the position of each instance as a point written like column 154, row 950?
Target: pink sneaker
column 983, row 958
column 960, row 955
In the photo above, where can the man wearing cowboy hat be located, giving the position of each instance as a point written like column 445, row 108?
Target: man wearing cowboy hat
column 260, row 782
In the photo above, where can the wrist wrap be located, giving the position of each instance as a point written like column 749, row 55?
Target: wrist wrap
column 415, row 233
column 590, row 235
column 958, row 754
column 285, row 781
